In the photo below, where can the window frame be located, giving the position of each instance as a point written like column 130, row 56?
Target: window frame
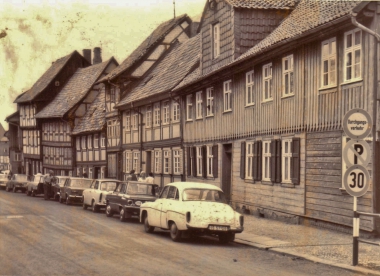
column 148, row 117
column 249, row 153
column 329, row 57
column 210, row 162
column 84, row 142
column 89, row 142
column 176, row 112
column 165, row 113
column 215, row 31
column 227, row 96
column 176, row 161
column 189, row 107
column 199, row 161
column 268, row 79
column 266, row 159
column 128, row 121
column 249, row 85
column 166, row 162
column 210, row 102
column 96, row 141
column 135, row 122
column 198, row 105
column 290, row 73
column 286, row 156
column 156, row 115
column 353, row 50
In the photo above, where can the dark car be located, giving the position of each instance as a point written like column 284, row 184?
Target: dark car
column 56, row 187
column 17, row 182
column 127, row 198
column 73, row 188
column 35, row 185
column 3, row 180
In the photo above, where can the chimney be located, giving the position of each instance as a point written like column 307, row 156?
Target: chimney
column 87, row 55
column 97, row 55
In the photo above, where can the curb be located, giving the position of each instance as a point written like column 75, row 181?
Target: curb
column 292, row 253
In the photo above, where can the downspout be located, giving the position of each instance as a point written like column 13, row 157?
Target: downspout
column 375, row 201
column 141, row 133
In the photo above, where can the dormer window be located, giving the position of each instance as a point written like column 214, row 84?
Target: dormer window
column 216, row 40
column 112, row 98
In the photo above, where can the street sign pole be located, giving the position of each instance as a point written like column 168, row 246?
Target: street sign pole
column 355, row 234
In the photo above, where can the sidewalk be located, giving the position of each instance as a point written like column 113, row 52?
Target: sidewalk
column 309, row 242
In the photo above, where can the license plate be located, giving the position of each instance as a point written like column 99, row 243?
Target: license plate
column 218, row 228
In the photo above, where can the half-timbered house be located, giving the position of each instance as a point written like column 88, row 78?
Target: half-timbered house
column 60, row 116
column 15, row 142
column 35, row 99
column 265, row 123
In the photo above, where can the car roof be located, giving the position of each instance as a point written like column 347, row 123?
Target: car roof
column 75, row 178
column 197, row 185
column 107, row 179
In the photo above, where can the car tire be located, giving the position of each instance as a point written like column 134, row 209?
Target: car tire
column 60, row 199
column 27, row 193
column 175, row 234
column 33, row 193
column 109, row 212
column 67, row 200
column 122, row 215
column 94, row 207
column 226, row 237
column 14, row 189
column 147, row 227
column 84, row 206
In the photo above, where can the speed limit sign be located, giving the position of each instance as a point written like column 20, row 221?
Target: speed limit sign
column 356, row 180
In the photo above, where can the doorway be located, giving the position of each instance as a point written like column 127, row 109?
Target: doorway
column 226, row 170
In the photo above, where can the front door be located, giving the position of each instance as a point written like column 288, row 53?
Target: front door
column 226, row 170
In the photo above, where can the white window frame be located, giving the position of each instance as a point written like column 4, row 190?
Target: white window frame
column 210, row 101
column 288, row 76
column 165, row 113
column 166, row 162
column 266, row 160
column 96, row 141
column 135, row 121
column 249, row 146
column 249, row 85
column 84, row 142
column 127, row 120
column 156, row 114
column 267, row 82
column 352, row 50
column 189, row 107
column 286, row 157
column 199, row 161
column 89, row 141
column 329, row 57
column 215, row 30
column 128, row 162
column 227, row 94
column 198, row 105
column 176, row 111
column 136, row 158
column 157, row 157
column 148, row 116
column 102, row 140
column 210, row 158
column 176, row 161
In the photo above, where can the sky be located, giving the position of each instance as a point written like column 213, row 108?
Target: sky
column 33, row 34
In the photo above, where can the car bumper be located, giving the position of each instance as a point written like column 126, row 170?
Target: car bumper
column 133, row 210
column 207, row 230
column 77, row 198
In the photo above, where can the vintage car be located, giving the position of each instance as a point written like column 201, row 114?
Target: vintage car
column 35, row 185
column 17, row 182
column 128, row 197
column 56, row 187
column 95, row 196
column 192, row 208
column 73, row 188
column 3, row 180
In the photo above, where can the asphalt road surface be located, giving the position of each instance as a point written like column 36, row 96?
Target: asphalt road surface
column 39, row 237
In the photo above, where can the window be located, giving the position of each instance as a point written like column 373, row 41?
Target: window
column 136, row 164
column 216, row 40
column 210, row 101
column 177, row 162
column 90, row 173
column 267, row 82
column 199, row 161
column 148, row 122
column 328, row 65
column 199, row 105
column 89, row 141
column 78, row 143
column 135, row 121
column 176, row 112
column 83, row 142
column 210, row 158
column 286, row 159
column 156, row 121
column 352, row 55
column 189, row 107
column 249, row 160
column 166, row 113
column 127, row 120
column 227, row 96
column 96, row 141
column 287, row 76
column 157, row 161
column 266, row 160
column 127, row 161
column 249, row 88
column 166, row 161
column 102, row 140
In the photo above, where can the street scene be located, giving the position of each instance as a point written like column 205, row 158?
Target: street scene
column 226, row 137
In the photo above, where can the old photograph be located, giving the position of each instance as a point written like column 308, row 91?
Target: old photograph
column 189, row 137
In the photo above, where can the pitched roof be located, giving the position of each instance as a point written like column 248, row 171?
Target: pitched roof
column 14, row 117
column 44, row 80
column 169, row 72
column 262, row 4
column 159, row 33
column 74, row 90
column 308, row 15
column 95, row 116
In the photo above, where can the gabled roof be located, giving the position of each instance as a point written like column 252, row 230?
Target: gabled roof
column 181, row 61
column 263, row 4
column 14, row 117
column 159, row 33
column 303, row 20
column 95, row 116
column 44, row 80
column 75, row 90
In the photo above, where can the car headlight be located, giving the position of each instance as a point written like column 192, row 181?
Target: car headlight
column 130, row 202
column 138, row 203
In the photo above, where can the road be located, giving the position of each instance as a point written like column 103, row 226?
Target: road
column 39, row 237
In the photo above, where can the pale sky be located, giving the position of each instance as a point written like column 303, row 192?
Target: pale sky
column 33, row 34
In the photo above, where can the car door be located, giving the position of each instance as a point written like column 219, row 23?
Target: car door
column 154, row 213
column 116, row 199
column 167, row 205
column 87, row 194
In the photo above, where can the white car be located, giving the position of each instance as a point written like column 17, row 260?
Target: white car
column 3, row 180
column 95, row 196
column 192, row 208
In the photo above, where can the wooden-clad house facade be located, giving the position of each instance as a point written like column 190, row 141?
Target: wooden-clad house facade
column 15, row 143
column 271, row 117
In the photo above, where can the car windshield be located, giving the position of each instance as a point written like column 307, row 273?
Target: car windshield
column 140, row 189
column 21, row 178
column 203, row 195
column 61, row 181
column 108, row 186
column 81, row 183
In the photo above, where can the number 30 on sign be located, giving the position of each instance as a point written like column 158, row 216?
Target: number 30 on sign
column 356, row 180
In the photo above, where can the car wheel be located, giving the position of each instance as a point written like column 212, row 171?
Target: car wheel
column 175, row 234
column 67, row 200
column 14, row 189
column 147, row 227
column 122, row 215
column 60, row 199
column 94, row 208
column 84, row 206
column 109, row 212
column 33, row 193
column 226, row 237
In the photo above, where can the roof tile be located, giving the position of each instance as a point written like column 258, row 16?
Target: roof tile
column 262, row 4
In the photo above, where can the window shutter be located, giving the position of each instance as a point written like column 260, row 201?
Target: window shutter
column 215, row 161
column 170, row 165
column 188, row 163
column 125, row 162
column 204, row 161
column 194, row 149
column 160, row 159
column 257, row 161
column 295, row 163
column 180, row 161
column 242, row 161
column 152, row 160
column 278, row 161
column 273, row 161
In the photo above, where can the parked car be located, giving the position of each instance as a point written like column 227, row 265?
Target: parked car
column 56, row 187
column 192, row 208
column 128, row 197
column 73, row 188
column 95, row 196
column 3, row 180
column 35, row 185
column 17, row 182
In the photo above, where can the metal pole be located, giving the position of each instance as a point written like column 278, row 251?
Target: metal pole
column 355, row 241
